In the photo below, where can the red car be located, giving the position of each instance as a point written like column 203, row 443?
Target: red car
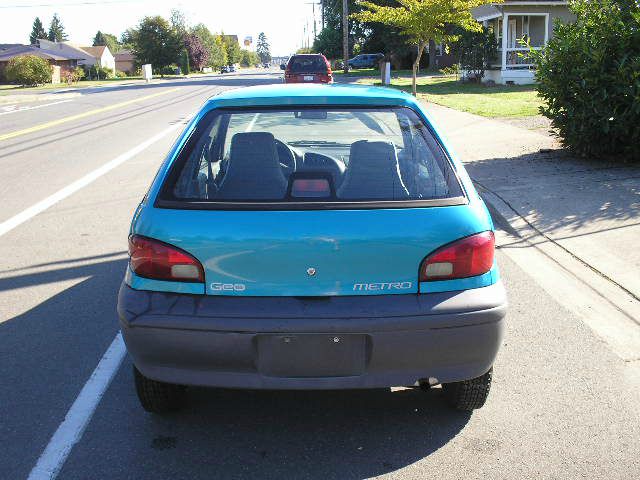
column 308, row 68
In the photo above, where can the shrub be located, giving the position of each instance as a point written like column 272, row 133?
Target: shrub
column 120, row 74
column 28, row 70
column 169, row 70
column 74, row 75
column 79, row 73
column 452, row 70
column 105, row 73
column 475, row 51
column 589, row 78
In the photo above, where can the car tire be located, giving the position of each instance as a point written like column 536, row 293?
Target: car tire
column 158, row 397
column 468, row 395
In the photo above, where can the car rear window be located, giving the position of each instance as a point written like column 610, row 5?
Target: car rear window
column 311, row 157
column 306, row 64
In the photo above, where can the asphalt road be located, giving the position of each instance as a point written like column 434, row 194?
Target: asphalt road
column 563, row 405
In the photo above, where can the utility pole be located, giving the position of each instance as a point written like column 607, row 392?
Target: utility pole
column 315, row 28
column 315, row 33
column 345, row 34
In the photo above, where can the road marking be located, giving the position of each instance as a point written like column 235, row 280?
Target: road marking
column 60, row 121
column 70, row 189
column 252, row 123
column 14, row 110
column 71, row 429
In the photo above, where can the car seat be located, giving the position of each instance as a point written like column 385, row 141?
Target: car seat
column 372, row 173
column 253, row 172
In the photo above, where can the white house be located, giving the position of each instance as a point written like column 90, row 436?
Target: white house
column 516, row 23
column 102, row 55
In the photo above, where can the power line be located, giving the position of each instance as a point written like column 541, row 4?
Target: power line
column 73, row 4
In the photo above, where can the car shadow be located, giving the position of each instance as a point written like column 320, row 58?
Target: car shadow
column 232, row 80
column 48, row 352
column 352, row 434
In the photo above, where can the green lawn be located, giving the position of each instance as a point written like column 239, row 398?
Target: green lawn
column 497, row 101
column 368, row 72
column 6, row 89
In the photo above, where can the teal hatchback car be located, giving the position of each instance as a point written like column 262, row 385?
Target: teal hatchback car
column 311, row 237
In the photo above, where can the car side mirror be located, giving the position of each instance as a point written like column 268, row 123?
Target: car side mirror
column 283, row 66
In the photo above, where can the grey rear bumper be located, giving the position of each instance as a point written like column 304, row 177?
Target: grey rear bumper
column 312, row 343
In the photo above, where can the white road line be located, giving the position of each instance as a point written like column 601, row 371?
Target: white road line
column 70, row 189
column 16, row 110
column 71, row 429
column 252, row 123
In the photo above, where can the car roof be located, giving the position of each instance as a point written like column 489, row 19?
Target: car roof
column 311, row 94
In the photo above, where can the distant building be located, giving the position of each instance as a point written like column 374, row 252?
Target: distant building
column 125, row 62
column 100, row 56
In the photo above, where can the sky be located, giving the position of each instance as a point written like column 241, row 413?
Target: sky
column 283, row 21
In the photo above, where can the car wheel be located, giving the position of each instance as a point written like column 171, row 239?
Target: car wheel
column 158, row 397
column 469, row 394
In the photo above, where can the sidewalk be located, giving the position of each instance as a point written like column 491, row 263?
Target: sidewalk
column 590, row 209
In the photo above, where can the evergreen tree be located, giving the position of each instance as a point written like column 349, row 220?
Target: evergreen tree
column 37, row 31
column 56, row 30
column 262, row 48
column 108, row 40
column 99, row 39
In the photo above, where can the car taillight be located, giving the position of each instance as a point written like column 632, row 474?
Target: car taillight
column 467, row 257
column 157, row 260
column 329, row 72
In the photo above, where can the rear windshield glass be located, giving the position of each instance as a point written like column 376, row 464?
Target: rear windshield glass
column 312, row 63
column 311, row 155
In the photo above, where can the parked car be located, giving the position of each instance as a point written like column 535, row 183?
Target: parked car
column 224, row 69
column 308, row 68
column 366, row 60
column 311, row 237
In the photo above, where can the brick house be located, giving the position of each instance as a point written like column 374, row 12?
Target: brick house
column 62, row 62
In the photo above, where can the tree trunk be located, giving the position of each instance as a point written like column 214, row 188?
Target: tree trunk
column 416, row 66
column 432, row 55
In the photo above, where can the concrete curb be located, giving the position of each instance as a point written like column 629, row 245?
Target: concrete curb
column 610, row 310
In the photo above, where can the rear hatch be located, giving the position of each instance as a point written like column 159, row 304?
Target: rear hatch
column 311, row 202
column 308, row 68
column 310, row 253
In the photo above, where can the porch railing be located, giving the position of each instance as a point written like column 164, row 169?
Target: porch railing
column 518, row 58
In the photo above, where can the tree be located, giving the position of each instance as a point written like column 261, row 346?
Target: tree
column 249, row 58
column 219, row 56
column 589, row 77
column 234, row 52
column 178, row 23
column 329, row 43
column 214, row 45
column 262, row 48
column 108, row 40
column 475, row 51
column 423, row 20
column 126, row 39
column 56, row 30
column 197, row 51
column 37, row 31
column 155, row 42
column 28, row 70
